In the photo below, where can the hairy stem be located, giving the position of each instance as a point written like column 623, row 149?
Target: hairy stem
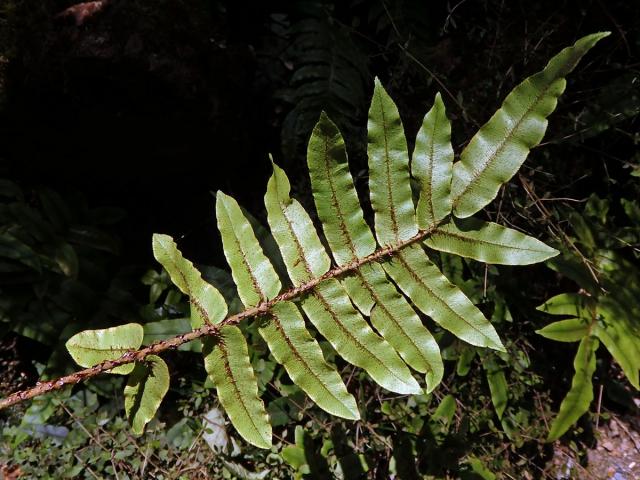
column 208, row 330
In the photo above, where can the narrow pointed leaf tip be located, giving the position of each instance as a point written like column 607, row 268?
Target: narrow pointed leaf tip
column 570, row 330
column 500, row 147
column 92, row 347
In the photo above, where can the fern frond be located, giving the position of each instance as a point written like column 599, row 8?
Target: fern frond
column 363, row 287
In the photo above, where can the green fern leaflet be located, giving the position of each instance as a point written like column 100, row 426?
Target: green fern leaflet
column 365, row 295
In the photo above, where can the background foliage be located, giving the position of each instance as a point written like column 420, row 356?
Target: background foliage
column 150, row 106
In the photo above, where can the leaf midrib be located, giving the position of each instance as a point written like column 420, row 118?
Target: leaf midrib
column 336, row 204
column 236, row 390
column 463, row 238
column 392, row 210
column 102, row 350
column 192, row 298
column 243, row 258
column 432, row 209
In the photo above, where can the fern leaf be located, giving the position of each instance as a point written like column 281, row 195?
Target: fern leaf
column 331, row 74
column 432, row 166
column 302, row 252
column 92, row 347
column 435, row 296
column 292, row 346
column 146, row 387
column 207, row 303
column 255, row 278
column 572, row 304
column 500, row 147
column 488, row 242
column 621, row 342
column 394, row 318
column 331, row 311
column 577, row 401
column 226, row 361
column 389, row 185
column 335, row 197
column 569, row 330
column 364, row 259
column 329, row 307
column 283, row 330
column 350, row 238
column 497, row 384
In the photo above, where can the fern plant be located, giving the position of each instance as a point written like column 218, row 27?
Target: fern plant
column 364, row 295
column 601, row 312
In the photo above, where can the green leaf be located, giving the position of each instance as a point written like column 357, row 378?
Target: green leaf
column 389, row 185
column 497, row 384
column 350, row 238
column 398, row 323
column 465, row 360
column 293, row 230
column 432, row 165
column 146, row 387
column 631, row 209
column 255, row 277
column 446, row 410
column 394, row 318
column 570, row 330
column 621, row 342
column 294, row 456
column 292, row 346
column 435, row 296
column 208, row 305
column 488, row 242
column 55, row 209
column 335, row 196
column 227, row 363
column 480, row 469
column 92, row 347
column 328, row 307
column 572, row 267
column 395, row 221
column 332, row 313
column 577, row 401
column 568, row 304
column 500, row 147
